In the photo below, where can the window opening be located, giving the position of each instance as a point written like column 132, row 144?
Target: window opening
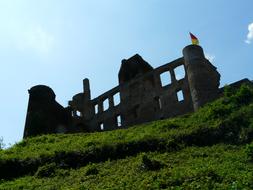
column 159, row 103
column 119, row 124
column 179, row 72
column 102, row 126
column 165, row 78
column 78, row 113
column 106, row 104
column 180, row 96
column 96, row 109
column 116, row 99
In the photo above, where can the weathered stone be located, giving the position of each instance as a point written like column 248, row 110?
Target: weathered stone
column 44, row 114
column 143, row 97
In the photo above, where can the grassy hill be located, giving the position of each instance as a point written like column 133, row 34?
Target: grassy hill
column 209, row 149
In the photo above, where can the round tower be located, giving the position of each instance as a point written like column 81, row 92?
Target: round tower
column 44, row 114
column 203, row 77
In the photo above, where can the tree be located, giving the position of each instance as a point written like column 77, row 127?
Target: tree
column 2, row 145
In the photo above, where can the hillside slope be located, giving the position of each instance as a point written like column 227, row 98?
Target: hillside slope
column 209, row 149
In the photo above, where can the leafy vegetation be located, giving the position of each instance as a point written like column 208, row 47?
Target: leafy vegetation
column 2, row 145
column 209, row 149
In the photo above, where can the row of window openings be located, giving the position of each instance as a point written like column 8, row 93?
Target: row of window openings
column 165, row 80
column 118, row 120
column 106, row 105
column 165, row 77
column 180, row 98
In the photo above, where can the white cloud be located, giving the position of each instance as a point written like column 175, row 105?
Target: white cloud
column 250, row 34
column 210, row 57
column 37, row 39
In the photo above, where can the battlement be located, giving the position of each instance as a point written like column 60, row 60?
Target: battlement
column 144, row 94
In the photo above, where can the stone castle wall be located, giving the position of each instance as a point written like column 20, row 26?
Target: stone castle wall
column 141, row 95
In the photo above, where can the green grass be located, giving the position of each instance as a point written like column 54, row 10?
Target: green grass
column 219, row 166
column 209, row 149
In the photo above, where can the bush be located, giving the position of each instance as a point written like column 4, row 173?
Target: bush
column 249, row 151
column 242, row 96
column 2, row 145
column 148, row 164
column 91, row 170
column 48, row 170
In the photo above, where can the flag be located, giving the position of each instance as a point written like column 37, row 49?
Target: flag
column 194, row 39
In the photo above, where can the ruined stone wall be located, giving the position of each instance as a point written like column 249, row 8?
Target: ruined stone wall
column 146, row 99
column 144, row 94
column 44, row 114
column 142, row 99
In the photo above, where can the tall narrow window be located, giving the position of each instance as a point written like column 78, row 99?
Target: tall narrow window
column 165, row 78
column 116, row 99
column 159, row 103
column 119, row 124
column 101, row 126
column 96, row 108
column 180, row 96
column 179, row 72
column 106, row 104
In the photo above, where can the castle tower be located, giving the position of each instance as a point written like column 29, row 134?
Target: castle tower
column 87, row 107
column 202, row 76
column 135, row 91
column 81, row 105
column 86, row 88
column 44, row 114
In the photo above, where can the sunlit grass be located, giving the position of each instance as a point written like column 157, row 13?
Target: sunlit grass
column 209, row 149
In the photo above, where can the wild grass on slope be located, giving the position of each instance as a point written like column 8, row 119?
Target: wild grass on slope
column 227, row 120
column 217, row 167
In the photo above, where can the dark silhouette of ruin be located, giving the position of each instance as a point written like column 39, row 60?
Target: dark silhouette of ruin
column 141, row 96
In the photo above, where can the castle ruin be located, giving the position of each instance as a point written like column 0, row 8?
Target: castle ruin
column 141, row 96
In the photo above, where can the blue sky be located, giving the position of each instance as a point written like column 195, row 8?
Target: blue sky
column 60, row 42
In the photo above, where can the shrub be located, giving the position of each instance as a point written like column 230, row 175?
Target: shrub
column 243, row 96
column 48, row 170
column 2, row 145
column 91, row 170
column 148, row 164
column 249, row 151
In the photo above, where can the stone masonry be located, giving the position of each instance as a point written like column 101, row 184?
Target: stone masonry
column 141, row 96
